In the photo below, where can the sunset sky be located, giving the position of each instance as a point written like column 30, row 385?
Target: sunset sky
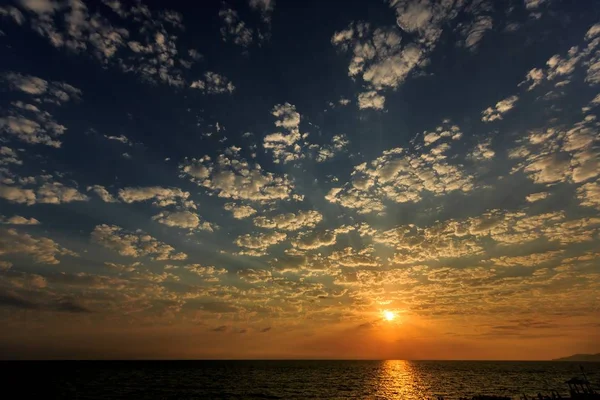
column 383, row 179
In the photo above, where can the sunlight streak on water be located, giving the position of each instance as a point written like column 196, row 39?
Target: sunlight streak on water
column 406, row 380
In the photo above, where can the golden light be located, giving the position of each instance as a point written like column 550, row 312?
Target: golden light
column 389, row 315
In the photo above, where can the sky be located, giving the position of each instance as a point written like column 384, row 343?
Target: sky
column 273, row 178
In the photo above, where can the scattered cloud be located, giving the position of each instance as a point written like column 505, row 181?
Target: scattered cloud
column 213, row 83
column 18, row 220
column 184, row 220
column 42, row 250
column 133, row 244
column 240, row 211
column 491, row 114
column 234, row 178
column 290, row 221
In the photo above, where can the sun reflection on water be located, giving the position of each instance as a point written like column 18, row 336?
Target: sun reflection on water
column 400, row 379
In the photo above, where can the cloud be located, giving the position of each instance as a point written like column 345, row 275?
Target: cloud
column 403, row 176
column 213, row 83
column 43, row 250
column 266, row 7
column 18, row 220
column 102, row 193
column 371, row 99
column 379, row 59
column 121, row 138
column 532, row 198
column 535, row 76
column 57, row 193
column 350, row 257
column 259, row 242
column 491, row 114
column 424, row 18
column 314, row 240
column 233, row 28
column 339, row 144
column 560, row 155
column 48, row 193
column 207, row 273
column 183, row 219
column 483, row 151
column 589, row 194
column 285, row 145
column 533, row 4
column 160, row 196
column 530, row 260
column 9, row 156
column 5, row 265
column 27, row 122
column 153, row 56
column 133, row 244
column 240, row 211
column 290, row 221
column 15, row 194
column 255, row 275
column 12, row 12
column 234, row 178
column 475, row 31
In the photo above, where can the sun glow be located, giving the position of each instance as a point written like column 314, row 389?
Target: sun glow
column 389, row 315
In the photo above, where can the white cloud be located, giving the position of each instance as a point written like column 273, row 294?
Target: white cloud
column 9, row 156
column 424, row 18
column 213, row 83
column 27, row 122
column 183, row 219
column 326, row 152
column 121, row 138
column 16, row 194
column 401, row 176
column 285, row 145
column 483, row 151
column 491, row 114
column 236, row 179
column 72, row 26
column 371, row 99
column 535, row 76
column 133, row 244
column 533, row 4
column 290, row 221
column 26, row 83
column 475, row 31
column 207, row 273
column 18, row 220
column 57, row 193
column 559, row 155
column 255, row 275
column 589, row 194
column 532, row 198
column 240, row 211
column 102, row 193
column 259, row 242
column 5, row 265
column 43, row 250
column 314, row 240
column 233, row 28
column 161, row 196
column 13, row 12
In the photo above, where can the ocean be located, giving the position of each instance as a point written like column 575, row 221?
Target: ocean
column 407, row 380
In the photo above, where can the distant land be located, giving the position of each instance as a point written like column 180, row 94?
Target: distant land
column 580, row 357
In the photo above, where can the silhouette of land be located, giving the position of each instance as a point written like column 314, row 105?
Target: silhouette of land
column 581, row 358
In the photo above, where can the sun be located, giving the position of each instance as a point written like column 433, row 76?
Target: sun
column 389, row 315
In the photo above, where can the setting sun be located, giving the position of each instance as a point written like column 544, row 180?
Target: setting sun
column 389, row 315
